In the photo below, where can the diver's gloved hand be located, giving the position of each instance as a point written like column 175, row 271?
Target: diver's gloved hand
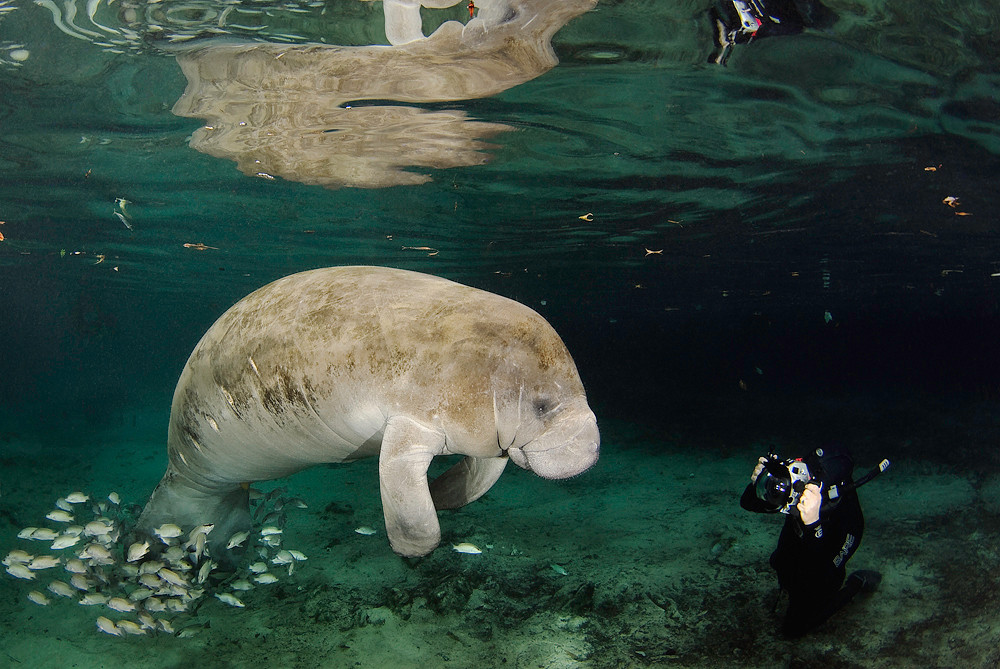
column 809, row 503
column 758, row 469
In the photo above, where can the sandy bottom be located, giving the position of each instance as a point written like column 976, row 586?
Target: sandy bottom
column 646, row 560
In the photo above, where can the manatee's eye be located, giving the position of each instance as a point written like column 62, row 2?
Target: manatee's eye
column 542, row 407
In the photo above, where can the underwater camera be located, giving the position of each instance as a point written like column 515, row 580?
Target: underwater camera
column 781, row 482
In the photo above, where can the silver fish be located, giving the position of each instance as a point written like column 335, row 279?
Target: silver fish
column 137, row 551
column 173, row 577
column 205, row 570
column 140, row 594
column 232, row 600
column 107, row 626
column 282, row 557
column 237, row 539
column 120, row 604
column 124, row 219
column 38, row 598
column 151, row 581
column 155, row 605
column 60, row 588
column 93, row 599
column 76, row 566
column 43, row 534
column 65, row 541
column 97, row 528
column 20, row 570
column 18, row 556
column 44, row 562
column 81, row 582
column 60, row 516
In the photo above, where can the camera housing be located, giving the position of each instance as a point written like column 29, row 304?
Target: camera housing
column 781, row 483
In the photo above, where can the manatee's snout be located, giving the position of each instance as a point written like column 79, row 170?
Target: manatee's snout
column 567, row 448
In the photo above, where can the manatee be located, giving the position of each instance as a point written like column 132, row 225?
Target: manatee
column 337, row 364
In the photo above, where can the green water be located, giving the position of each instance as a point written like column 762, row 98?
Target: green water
column 732, row 254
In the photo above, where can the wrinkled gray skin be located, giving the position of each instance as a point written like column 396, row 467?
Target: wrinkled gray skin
column 343, row 363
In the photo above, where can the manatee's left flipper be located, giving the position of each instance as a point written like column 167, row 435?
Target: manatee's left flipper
column 467, row 481
column 410, row 518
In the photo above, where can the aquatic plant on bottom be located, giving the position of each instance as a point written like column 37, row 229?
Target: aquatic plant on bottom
column 154, row 585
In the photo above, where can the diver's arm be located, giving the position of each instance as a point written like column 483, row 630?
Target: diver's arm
column 821, row 539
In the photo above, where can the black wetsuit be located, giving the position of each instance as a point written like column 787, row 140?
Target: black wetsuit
column 811, row 560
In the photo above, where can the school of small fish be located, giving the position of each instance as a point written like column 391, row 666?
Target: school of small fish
column 153, row 585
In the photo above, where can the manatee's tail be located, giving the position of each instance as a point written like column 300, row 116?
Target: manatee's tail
column 182, row 502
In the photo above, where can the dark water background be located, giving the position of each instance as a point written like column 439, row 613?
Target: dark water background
column 789, row 185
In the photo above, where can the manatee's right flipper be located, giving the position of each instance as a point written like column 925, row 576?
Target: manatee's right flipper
column 411, row 521
column 466, row 482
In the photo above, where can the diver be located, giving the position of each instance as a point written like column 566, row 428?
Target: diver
column 823, row 529
column 742, row 21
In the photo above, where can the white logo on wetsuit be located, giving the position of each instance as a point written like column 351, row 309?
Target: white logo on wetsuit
column 844, row 550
